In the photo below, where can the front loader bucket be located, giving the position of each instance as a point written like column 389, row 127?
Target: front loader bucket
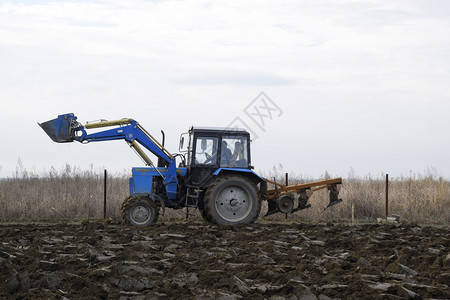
column 61, row 129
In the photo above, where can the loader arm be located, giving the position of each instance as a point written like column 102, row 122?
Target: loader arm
column 128, row 130
column 65, row 128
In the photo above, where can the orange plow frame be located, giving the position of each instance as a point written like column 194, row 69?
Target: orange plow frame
column 281, row 198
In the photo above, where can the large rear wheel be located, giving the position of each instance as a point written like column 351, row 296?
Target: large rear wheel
column 232, row 199
column 139, row 211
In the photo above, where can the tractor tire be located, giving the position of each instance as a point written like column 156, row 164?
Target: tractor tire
column 231, row 200
column 139, row 211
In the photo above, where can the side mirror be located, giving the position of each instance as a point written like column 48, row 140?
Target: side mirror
column 203, row 145
column 181, row 146
column 181, row 142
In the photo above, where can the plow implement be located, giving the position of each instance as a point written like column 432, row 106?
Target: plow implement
column 282, row 198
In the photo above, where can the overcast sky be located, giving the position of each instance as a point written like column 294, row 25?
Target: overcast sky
column 353, row 85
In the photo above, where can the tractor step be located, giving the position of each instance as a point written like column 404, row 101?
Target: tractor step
column 193, row 192
column 192, row 196
column 188, row 213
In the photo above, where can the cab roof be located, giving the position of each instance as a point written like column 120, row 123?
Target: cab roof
column 220, row 129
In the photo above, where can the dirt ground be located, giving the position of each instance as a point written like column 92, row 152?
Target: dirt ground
column 194, row 260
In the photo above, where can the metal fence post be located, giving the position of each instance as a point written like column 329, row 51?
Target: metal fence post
column 287, row 183
column 387, row 194
column 104, row 196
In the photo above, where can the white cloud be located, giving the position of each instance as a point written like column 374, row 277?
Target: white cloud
column 374, row 71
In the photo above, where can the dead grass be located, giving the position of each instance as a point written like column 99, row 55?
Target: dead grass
column 417, row 198
column 73, row 193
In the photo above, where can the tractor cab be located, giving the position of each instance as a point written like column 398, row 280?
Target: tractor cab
column 210, row 149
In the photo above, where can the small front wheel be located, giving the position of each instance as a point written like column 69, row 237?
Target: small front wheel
column 140, row 211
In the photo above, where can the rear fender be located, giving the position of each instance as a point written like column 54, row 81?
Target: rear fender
column 255, row 178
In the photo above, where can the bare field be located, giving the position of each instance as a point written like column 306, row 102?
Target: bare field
column 196, row 260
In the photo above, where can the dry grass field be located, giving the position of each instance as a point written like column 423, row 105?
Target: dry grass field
column 73, row 193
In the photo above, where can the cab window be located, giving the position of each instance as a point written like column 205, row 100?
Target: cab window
column 234, row 152
column 206, row 151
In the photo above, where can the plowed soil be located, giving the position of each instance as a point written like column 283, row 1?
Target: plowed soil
column 189, row 260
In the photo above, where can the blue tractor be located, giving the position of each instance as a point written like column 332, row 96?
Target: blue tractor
column 214, row 173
